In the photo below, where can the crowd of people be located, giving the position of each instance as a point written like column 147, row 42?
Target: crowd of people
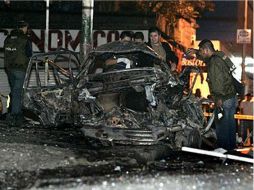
column 18, row 51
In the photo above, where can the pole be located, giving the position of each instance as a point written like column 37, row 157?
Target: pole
column 46, row 41
column 47, row 27
column 243, row 79
column 86, row 40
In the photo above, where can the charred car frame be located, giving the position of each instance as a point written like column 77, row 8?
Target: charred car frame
column 138, row 102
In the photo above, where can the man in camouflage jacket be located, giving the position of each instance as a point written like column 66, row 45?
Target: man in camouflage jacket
column 223, row 91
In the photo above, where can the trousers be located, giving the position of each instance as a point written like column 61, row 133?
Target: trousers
column 226, row 126
column 16, row 80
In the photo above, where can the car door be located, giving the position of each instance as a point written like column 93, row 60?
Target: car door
column 48, row 87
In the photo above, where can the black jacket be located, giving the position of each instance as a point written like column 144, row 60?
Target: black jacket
column 18, row 50
column 218, row 77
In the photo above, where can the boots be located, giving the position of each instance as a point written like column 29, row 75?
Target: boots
column 19, row 120
column 15, row 120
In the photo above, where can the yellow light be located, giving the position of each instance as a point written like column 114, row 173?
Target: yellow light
column 202, row 86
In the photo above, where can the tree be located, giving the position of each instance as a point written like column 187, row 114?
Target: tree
column 173, row 10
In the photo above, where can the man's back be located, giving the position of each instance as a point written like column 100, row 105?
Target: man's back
column 15, row 49
column 219, row 79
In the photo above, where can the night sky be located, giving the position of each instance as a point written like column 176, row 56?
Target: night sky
column 221, row 24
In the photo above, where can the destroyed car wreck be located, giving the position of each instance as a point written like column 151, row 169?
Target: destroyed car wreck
column 136, row 101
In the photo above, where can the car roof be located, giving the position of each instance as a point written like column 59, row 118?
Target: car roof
column 119, row 47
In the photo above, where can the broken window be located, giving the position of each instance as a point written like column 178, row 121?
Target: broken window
column 47, row 70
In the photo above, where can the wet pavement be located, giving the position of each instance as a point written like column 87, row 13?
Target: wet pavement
column 34, row 157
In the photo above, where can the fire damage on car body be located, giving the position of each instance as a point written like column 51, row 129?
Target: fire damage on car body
column 137, row 101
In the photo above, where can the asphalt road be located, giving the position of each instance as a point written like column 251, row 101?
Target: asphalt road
column 34, row 157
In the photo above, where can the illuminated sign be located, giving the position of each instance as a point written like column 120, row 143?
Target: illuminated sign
column 192, row 62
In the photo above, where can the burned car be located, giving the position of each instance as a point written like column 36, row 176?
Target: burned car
column 122, row 94
column 48, row 87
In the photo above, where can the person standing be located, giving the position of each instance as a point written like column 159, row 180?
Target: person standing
column 17, row 51
column 223, row 91
column 162, row 48
column 246, row 108
column 138, row 37
column 126, row 36
column 198, row 94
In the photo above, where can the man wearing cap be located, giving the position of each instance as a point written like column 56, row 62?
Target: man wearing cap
column 223, row 91
column 17, row 51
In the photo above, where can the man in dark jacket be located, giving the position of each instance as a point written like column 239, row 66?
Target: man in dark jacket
column 223, row 91
column 17, row 50
column 162, row 48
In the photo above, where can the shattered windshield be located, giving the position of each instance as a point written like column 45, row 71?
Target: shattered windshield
column 126, row 55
